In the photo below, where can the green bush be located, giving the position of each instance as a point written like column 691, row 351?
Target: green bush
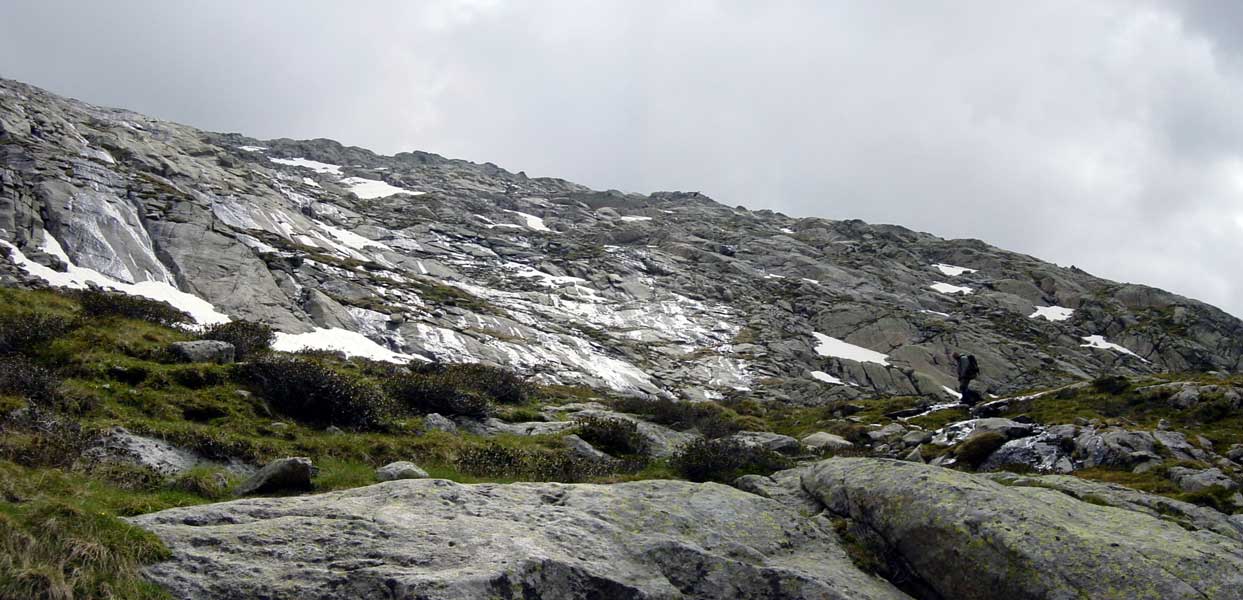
column 614, row 436
column 96, row 303
column 19, row 376
column 1111, row 384
column 711, row 420
column 311, row 392
column 976, row 449
column 23, row 331
column 248, row 337
column 430, row 393
column 724, row 460
column 503, row 462
column 499, row 385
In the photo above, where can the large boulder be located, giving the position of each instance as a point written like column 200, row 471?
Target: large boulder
column 963, row 536
column 1114, row 447
column 1195, row 480
column 280, row 475
column 213, row 351
column 767, row 440
column 401, row 469
column 434, row 539
column 118, row 445
column 823, row 440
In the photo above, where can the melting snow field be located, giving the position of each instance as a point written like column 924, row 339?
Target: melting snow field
column 533, row 221
column 77, row 277
column 313, row 165
column 1098, row 341
column 829, row 346
column 951, row 270
column 337, row 340
column 1053, row 313
column 369, row 189
column 946, row 288
column 825, row 377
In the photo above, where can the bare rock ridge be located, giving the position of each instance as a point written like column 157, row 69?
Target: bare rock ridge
column 934, row 532
column 415, row 256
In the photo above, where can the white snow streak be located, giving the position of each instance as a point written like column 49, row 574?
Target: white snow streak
column 825, row 377
column 830, row 346
column 946, row 288
column 951, row 270
column 337, row 340
column 368, row 189
column 1052, row 313
column 313, row 165
column 1098, row 341
column 533, row 221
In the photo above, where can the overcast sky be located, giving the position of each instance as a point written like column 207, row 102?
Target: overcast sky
column 1105, row 134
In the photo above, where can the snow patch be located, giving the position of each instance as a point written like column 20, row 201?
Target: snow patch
column 830, row 346
column 76, row 277
column 1053, row 313
column 369, row 189
column 946, row 288
column 252, row 148
column 951, row 270
column 786, row 230
column 951, row 391
column 1098, row 341
column 337, row 340
column 351, row 239
column 313, row 165
column 825, row 377
column 634, row 219
column 533, row 221
column 310, row 182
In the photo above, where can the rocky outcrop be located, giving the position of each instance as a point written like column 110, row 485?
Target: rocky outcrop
column 280, row 475
column 668, row 294
column 203, row 351
column 400, row 470
column 433, row 539
column 962, row 536
column 118, row 445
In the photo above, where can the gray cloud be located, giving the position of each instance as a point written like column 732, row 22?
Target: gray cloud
column 1105, row 134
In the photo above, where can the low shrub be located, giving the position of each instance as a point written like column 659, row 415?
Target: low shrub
column 19, row 376
column 976, row 449
column 610, row 435
column 248, row 337
column 24, row 331
column 724, row 460
column 711, row 420
column 429, row 393
column 498, row 385
column 313, row 393
column 494, row 460
column 96, row 303
column 1111, row 384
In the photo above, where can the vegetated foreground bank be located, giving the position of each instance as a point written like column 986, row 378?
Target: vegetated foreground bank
column 109, row 415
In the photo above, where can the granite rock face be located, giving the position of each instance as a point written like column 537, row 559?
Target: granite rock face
column 958, row 535
column 434, row 539
column 667, row 294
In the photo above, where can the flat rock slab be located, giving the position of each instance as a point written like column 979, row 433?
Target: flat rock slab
column 435, row 539
column 969, row 537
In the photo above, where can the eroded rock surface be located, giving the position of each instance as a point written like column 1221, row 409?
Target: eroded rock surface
column 434, row 539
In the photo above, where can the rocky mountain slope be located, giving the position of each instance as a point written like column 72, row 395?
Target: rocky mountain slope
column 418, row 257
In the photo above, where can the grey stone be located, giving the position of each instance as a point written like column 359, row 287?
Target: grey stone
column 1235, row 453
column 438, row 422
column 956, row 432
column 768, row 440
column 282, row 474
column 118, row 445
column 1113, row 447
column 934, row 522
column 436, row 539
column 212, row 351
column 1195, row 480
column 822, row 440
column 583, row 449
column 400, row 470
